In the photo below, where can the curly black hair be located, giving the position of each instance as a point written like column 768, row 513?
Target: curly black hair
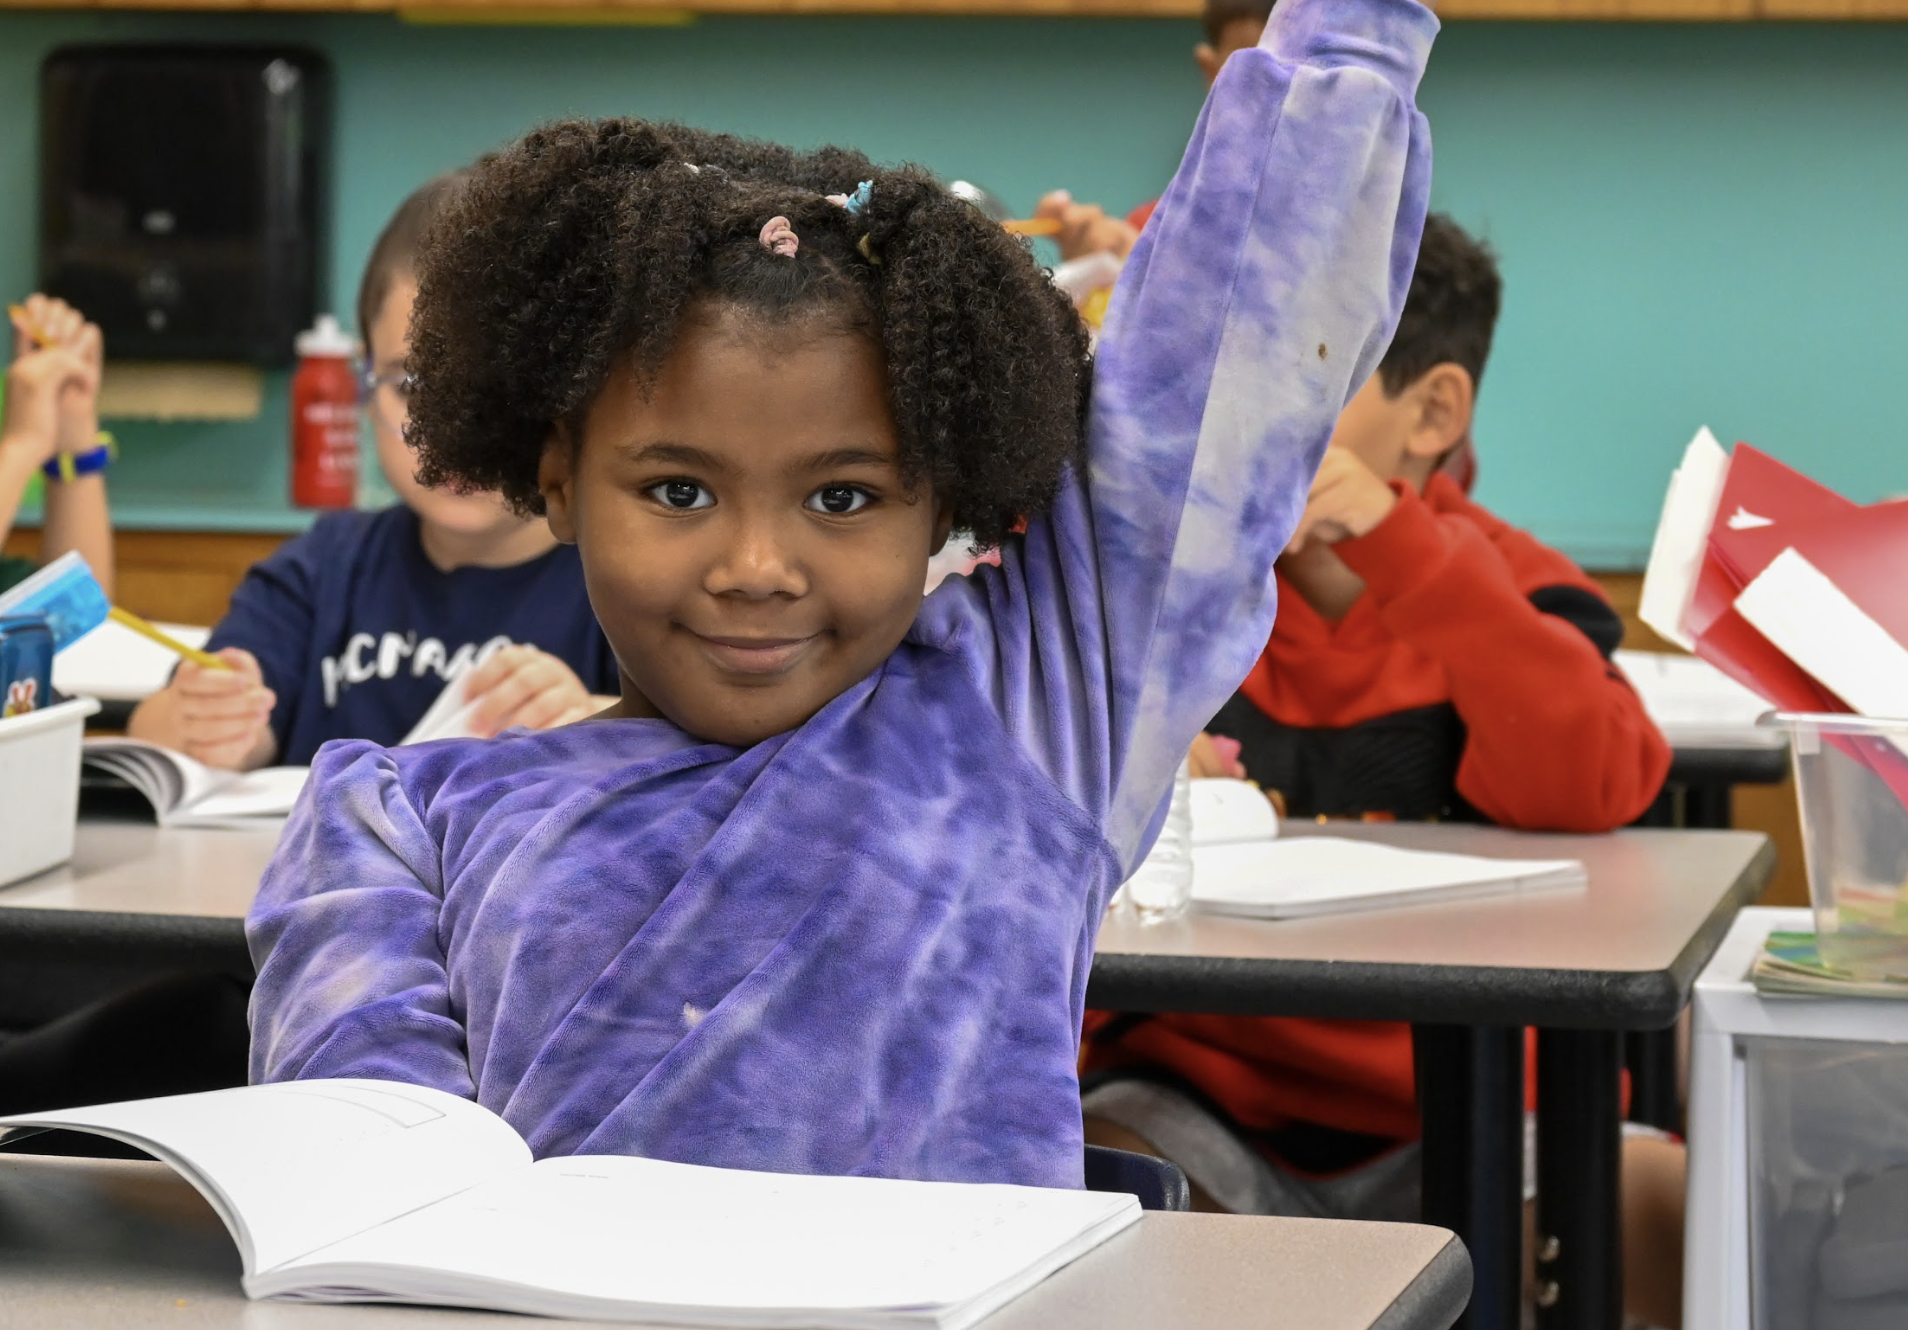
column 583, row 246
column 1450, row 313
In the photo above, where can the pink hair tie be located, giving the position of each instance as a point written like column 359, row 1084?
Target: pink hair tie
column 778, row 237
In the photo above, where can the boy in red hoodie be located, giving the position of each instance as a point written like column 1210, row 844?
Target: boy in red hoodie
column 1429, row 662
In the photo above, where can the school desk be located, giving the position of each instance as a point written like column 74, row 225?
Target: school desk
column 132, row 1246
column 1583, row 965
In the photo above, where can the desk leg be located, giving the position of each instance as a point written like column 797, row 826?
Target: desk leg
column 1709, row 806
column 1579, row 1206
column 1651, row 1057
column 1471, row 1104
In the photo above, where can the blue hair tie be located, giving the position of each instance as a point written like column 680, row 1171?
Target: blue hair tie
column 859, row 199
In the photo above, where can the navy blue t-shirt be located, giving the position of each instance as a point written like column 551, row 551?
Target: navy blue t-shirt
column 358, row 632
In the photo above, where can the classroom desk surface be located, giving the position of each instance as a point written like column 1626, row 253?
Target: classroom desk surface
column 132, row 889
column 1620, row 953
column 131, row 1245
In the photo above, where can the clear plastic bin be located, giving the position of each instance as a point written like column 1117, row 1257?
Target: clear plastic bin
column 1851, row 782
column 1828, row 1196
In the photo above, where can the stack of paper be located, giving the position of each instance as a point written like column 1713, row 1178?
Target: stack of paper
column 1301, row 876
column 1792, row 963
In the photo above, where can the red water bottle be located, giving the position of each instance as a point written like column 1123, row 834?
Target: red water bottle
column 324, row 395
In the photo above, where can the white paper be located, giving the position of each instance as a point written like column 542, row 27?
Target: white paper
column 1695, row 704
column 1225, row 811
column 448, row 718
column 295, row 1166
column 643, row 1238
column 1814, row 623
column 187, row 793
column 1682, row 538
column 1300, row 876
column 116, row 664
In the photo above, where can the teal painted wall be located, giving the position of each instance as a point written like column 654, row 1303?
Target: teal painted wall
column 1698, row 224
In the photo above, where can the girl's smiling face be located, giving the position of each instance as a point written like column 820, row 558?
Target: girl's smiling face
column 748, row 544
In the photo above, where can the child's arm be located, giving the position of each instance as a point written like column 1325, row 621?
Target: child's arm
column 238, row 718
column 1555, row 737
column 351, row 977
column 1262, row 292
column 76, row 516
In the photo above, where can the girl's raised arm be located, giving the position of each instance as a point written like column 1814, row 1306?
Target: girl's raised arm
column 1260, row 296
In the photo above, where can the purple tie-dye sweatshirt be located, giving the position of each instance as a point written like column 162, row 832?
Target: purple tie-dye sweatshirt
column 862, row 946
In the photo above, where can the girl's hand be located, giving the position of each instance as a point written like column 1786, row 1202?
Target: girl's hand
column 520, row 685
column 222, row 717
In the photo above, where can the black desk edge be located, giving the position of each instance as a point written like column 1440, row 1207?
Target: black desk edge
column 1436, row 1296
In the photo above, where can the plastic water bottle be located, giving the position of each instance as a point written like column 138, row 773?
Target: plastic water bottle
column 1161, row 887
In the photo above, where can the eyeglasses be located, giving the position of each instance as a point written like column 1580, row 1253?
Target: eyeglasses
column 395, row 379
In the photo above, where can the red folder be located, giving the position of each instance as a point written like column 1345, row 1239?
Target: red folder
column 1864, row 551
column 1763, row 506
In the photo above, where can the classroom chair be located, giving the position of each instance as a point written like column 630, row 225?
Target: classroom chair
column 1157, row 1182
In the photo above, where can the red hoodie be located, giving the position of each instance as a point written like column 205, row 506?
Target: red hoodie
column 1471, row 680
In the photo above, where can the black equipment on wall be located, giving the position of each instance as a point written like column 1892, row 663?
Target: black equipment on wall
column 184, row 195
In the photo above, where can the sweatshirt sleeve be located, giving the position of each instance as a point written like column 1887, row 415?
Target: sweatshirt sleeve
column 1556, row 739
column 344, row 933
column 1260, row 295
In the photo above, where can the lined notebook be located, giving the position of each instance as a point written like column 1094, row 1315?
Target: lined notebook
column 373, row 1191
column 1299, row 877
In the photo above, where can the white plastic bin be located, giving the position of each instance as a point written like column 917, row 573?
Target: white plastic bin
column 39, row 787
column 1798, row 1163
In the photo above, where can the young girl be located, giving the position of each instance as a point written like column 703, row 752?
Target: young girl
column 819, row 894
column 352, row 630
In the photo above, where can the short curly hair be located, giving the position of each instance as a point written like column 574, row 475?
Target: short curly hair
column 583, row 246
column 1450, row 313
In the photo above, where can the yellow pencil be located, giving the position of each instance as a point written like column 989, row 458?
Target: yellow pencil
column 166, row 640
column 18, row 314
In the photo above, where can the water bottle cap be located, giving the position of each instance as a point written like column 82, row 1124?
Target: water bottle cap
column 326, row 338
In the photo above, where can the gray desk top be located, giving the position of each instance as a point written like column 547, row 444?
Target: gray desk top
column 1618, row 954
column 130, row 1245
column 134, row 891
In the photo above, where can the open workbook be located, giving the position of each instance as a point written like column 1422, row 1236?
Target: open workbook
column 185, row 793
column 371, row 1191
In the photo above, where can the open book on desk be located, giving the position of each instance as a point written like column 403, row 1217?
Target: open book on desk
column 1298, row 877
column 372, row 1191
column 187, row 793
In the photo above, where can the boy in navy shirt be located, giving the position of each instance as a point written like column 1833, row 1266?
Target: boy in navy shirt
column 353, row 629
